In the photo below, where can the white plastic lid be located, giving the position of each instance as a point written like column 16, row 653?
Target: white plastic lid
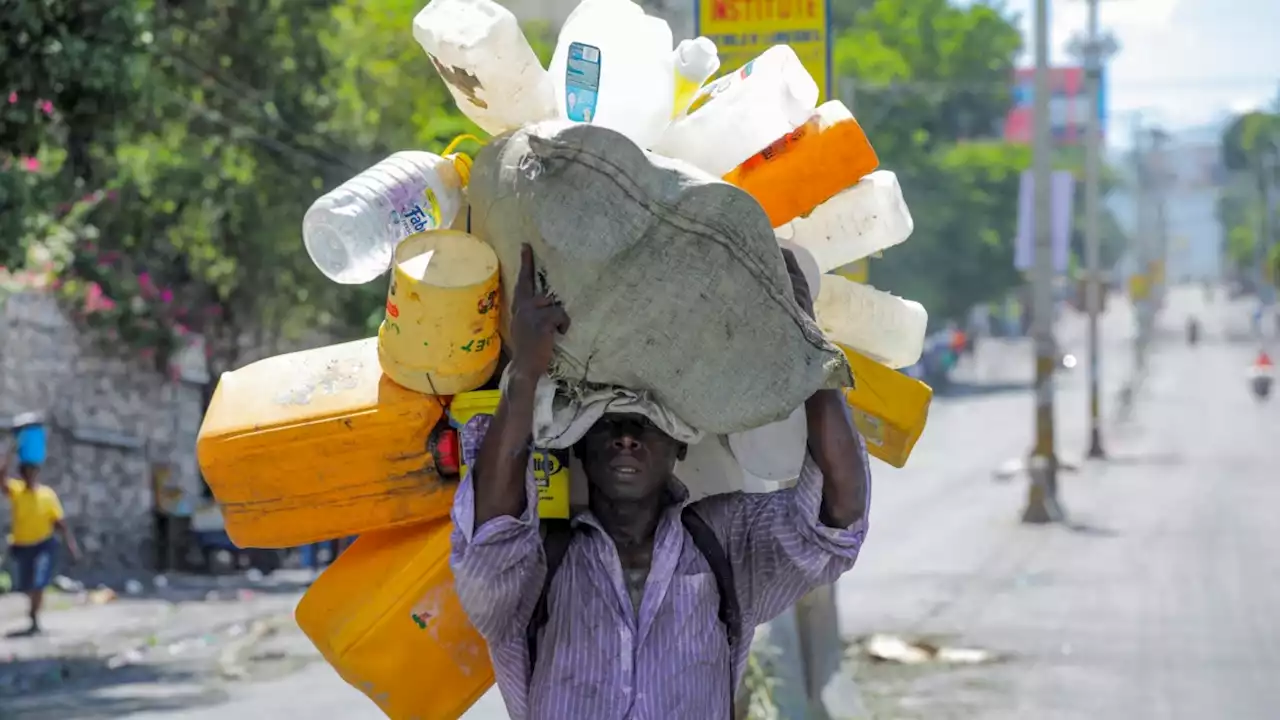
column 697, row 58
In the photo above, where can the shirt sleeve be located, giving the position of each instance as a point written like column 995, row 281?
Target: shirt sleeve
column 52, row 506
column 498, row 568
column 778, row 545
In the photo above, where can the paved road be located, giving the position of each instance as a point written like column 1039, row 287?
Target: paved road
column 1160, row 602
column 1146, row 609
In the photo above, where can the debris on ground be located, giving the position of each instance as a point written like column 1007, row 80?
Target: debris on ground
column 895, row 649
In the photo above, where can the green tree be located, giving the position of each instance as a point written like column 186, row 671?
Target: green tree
column 1251, row 154
column 927, row 76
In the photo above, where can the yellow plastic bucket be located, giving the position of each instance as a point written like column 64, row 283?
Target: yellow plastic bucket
column 550, row 467
column 440, row 335
column 889, row 408
column 386, row 616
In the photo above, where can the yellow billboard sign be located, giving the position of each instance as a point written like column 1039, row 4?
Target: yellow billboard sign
column 742, row 29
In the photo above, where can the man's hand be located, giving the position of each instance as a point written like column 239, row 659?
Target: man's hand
column 536, row 320
column 498, row 476
column 799, row 285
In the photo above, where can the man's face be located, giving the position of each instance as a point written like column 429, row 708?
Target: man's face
column 627, row 458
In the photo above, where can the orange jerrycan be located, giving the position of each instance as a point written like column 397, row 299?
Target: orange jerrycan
column 318, row 444
column 808, row 166
column 386, row 617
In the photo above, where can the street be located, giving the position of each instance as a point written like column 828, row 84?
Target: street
column 1156, row 600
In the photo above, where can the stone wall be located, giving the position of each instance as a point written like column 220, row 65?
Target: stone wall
column 112, row 422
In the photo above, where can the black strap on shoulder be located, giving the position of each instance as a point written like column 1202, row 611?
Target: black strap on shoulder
column 704, row 538
column 556, row 535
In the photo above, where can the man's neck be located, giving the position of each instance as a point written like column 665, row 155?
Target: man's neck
column 632, row 523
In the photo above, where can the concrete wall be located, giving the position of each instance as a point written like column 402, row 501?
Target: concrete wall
column 111, row 422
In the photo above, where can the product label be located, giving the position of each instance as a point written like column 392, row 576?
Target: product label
column 582, row 82
column 871, row 427
column 416, row 217
column 718, row 87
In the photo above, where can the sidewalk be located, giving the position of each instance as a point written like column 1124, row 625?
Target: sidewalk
column 95, row 637
column 1157, row 601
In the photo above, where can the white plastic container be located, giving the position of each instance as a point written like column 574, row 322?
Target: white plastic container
column 612, row 67
column 774, row 452
column 740, row 114
column 352, row 231
column 695, row 61
column 858, row 222
column 486, row 62
column 882, row 326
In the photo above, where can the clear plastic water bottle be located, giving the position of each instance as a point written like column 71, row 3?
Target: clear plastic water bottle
column 352, row 231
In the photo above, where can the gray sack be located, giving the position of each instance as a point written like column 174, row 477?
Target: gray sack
column 673, row 280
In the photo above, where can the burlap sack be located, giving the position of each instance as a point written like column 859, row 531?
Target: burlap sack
column 673, row 280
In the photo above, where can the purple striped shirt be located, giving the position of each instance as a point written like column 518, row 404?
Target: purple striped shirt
column 598, row 658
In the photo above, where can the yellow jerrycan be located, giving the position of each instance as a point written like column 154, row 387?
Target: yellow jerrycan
column 889, row 408
column 318, row 444
column 386, row 617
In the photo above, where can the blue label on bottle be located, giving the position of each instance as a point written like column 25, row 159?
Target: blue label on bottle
column 582, row 82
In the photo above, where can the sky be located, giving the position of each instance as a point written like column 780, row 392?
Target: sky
column 1182, row 63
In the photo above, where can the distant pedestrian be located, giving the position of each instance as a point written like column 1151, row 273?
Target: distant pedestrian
column 36, row 514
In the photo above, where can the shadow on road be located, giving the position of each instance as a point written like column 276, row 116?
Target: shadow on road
column 85, row 688
column 1090, row 530
column 961, row 389
column 1145, row 459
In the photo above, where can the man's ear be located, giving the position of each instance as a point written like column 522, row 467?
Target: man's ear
column 682, row 451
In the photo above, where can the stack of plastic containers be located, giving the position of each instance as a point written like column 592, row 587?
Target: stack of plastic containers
column 360, row 438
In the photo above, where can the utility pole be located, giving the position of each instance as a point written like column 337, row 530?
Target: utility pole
column 1143, row 238
column 1042, row 495
column 1094, row 49
column 1160, row 183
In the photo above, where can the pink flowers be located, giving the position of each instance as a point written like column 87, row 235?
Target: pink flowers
column 46, row 106
column 145, row 285
column 95, row 300
column 166, row 296
column 30, row 164
column 13, row 97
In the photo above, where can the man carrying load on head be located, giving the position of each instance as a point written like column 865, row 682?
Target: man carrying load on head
column 643, row 606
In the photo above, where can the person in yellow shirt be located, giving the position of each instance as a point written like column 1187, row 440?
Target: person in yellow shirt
column 37, row 515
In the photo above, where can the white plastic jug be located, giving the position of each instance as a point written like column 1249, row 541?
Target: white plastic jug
column 613, row 67
column 695, row 61
column 482, row 55
column 882, row 326
column 351, row 231
column 858, row 222
column 774, row 452
column 740, row 114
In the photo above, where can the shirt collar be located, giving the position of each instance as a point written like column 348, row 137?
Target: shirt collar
column 677, row 497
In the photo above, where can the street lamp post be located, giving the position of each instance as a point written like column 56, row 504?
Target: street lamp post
column 1094, row 49
column 1042, row 494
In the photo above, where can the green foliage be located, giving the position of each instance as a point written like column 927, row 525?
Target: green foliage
column 1248, row 143
column 156, row 158
column 930, row 81
column 928, row 75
